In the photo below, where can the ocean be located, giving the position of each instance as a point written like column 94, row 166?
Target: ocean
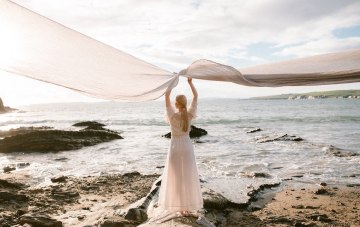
column 228, row 151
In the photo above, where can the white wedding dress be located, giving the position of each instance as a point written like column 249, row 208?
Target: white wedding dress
column 180, row 186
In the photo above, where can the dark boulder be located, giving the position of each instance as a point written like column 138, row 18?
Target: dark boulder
column 117, row 222
column 195, row 132
column 8, row 169
column 10, row 184
column 39, row 220
column 90, row 124
column 136, row 214
column 55, row 140
column 59, row 179
column 7, row 196
column 214, row 200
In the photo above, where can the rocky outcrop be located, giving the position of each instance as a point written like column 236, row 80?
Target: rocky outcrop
column 281, row 137
column 2, row 107
column 195, row 132
column 254, row 130
column 39, row 220
column 338, row 152
column 22, row 130
column 74, row 201
column 41, row 139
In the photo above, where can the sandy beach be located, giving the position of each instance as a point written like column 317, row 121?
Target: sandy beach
column 107, row 201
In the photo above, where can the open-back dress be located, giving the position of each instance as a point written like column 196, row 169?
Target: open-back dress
column 180, row 186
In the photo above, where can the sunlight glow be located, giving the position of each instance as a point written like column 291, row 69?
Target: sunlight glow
column 11, row 45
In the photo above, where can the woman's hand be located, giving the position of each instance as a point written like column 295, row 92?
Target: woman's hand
column 189, row 80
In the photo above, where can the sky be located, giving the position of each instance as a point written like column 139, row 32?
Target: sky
column 173, row 34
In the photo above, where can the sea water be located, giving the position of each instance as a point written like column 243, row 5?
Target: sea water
column 227, row 150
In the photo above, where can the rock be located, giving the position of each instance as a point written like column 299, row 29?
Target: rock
column 298, row 206
column 338, row 152
column 300, row 224
column 117, row 222
column 132, row 174
column 195, row 132
column 5, row 109
column 321, row 191
column 214, row 200
column 61, row 159
column 59, row 179
column 10, row 185
column 260, row 175
column 88, row 124
column 22, row 130
column 92, row 125
column 323, row 184
column 39, row 220
column 7, row 196
column 2, row 107
column 320, row 217
column 136, row 214
column 54, row 140
column 312, row 207
column 279, row 220
column 282, row 137
column 254, row 130
column 255, row 208
column 67, row 196
column 8, row 169
column 20, row 212
column 22, row 164
column 353, row 185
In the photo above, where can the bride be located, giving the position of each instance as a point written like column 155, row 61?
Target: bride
column 180, row 193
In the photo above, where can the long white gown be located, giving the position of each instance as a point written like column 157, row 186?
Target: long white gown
column 180, row 187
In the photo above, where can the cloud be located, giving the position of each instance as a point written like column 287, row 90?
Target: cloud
column 180, row 32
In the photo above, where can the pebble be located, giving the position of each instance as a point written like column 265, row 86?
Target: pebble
column 321, row 191
column 8, row 169
column 59, row 179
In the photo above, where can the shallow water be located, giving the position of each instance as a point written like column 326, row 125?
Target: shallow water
column 228, row 151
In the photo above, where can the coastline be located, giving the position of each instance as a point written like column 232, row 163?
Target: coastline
column 263, row 166
column 105, row 201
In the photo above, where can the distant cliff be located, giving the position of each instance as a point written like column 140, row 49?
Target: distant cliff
column 4, row 109
column 339, row 94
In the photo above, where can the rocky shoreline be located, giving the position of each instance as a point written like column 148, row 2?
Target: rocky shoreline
column 127, row 199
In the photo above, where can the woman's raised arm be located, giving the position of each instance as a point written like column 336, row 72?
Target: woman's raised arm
column 167, row 98
column 193, row 89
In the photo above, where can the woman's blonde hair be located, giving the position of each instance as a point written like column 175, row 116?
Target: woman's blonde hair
column 184, row 122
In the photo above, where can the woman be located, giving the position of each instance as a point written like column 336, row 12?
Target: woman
column 180, row 193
